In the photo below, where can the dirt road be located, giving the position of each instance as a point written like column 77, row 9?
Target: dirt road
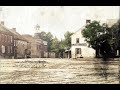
column 58, row 71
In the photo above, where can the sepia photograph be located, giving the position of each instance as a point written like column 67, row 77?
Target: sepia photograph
column 59, row 44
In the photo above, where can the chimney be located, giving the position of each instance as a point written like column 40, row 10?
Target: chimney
column 88, row 21
column 14, row 29
column 2, row 22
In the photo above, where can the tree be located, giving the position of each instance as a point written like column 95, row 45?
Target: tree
column 62, row 44
column 49, row 38
column 67, row 41
column 106, row 42
column 115, row 31
column 95, row 35
column 55, row 46
column 43, row 36
column 90, row 33
column 59, row 46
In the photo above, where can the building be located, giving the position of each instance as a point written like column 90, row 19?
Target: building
column 6, row 42
column 79, row 47
column 43, row 44
column 45, row 49
column 20, row 44
column 34, row 46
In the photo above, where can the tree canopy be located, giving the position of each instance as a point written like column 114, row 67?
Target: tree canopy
column 67, row 40
column 90, row 33
column 100, row 35
column 54, row 44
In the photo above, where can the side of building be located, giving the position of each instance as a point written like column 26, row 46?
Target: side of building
column 20, row 44
column 34, row 46
column 6, row 42
column 79, row 47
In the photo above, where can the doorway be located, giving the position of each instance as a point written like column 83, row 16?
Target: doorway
column 78, row 53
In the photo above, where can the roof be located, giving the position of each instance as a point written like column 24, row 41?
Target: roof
column 29, row 38
column 5, row 30
column 110, row 22
column 18, row 36
column 32, row 39
column 79, row 30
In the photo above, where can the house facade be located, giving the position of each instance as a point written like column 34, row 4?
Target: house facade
column 79, row 47
column 20, row 44
column 6, row 42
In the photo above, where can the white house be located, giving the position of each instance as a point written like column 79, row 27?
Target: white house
column 79, row 47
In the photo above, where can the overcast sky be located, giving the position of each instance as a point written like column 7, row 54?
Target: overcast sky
column 54, row 19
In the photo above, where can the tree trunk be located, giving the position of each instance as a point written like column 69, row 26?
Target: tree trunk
column 97, row 52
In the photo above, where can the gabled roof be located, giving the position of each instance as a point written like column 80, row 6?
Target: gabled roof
column 79, row 30
column 5, row 30
column 29, row 38
column 17, row 36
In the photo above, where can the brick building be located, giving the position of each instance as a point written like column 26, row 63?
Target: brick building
column 20, row 44
column 6, row 42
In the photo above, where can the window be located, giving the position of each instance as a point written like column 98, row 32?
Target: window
column 14, row 43
column 3, row 49
column 6, row 50
column 77, row 40
column 11, row 39
column 5, row 38
column 11, row 49
column 8, row 38
column 78, row 50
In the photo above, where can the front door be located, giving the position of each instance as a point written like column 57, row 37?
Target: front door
column 78, row 52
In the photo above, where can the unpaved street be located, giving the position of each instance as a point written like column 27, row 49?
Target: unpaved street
column 58, row 71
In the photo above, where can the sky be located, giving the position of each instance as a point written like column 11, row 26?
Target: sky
column 54, row 19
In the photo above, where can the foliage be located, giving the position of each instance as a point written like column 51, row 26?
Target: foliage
column 43, row 36
column 67, row 41
column 90, row 33
column 54, row 44
column 61, row 44
column 47, row 37
column 108, row 40
column 115, row 32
